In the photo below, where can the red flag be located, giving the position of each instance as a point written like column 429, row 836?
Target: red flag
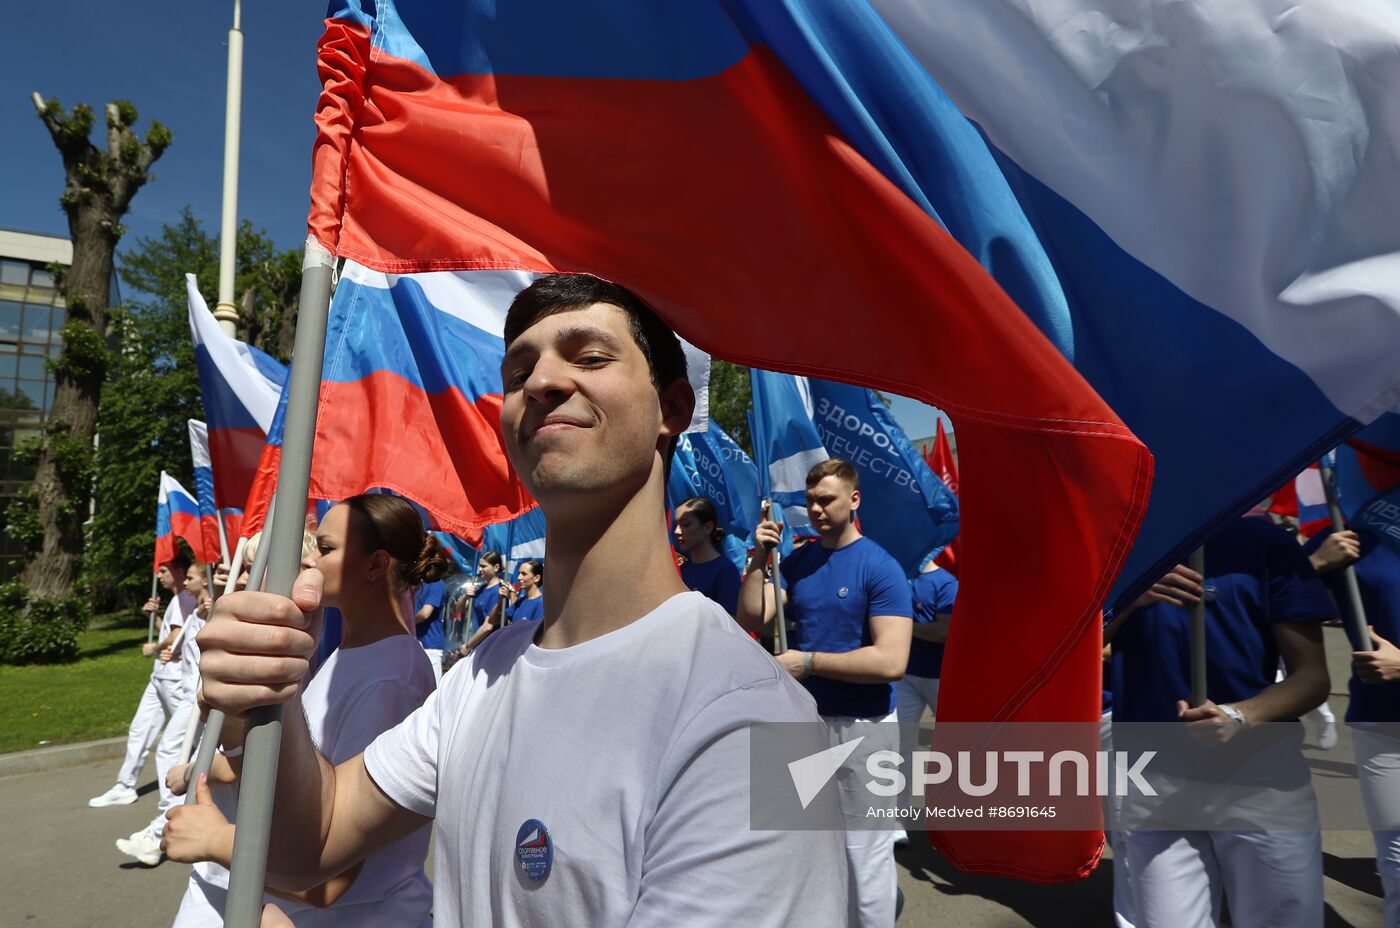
column 940, row 461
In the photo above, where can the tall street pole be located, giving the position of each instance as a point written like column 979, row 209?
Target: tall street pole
column 225, row 312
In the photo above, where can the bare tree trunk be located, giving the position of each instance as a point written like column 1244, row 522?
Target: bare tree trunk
column 98, row 190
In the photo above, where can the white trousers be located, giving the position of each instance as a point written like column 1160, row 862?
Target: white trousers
column 1273, row 879
column 157, row 703
column 1378, row 764
column 911, row 696
column 869, row 852
column 435, row 658
column 168, row 755
column 1122, row 882
column 202, row 907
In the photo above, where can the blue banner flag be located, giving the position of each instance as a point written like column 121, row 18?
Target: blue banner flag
column 904, row 507
column 516, row 540
column 785, row 445
column 1368, row 479
column 711, row 464
column 800, row 421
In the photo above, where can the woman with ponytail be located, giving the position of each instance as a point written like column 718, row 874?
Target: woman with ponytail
column 371, row 551
column 706, row 570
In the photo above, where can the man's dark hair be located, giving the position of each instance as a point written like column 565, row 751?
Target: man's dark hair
column 561, row 293
column 833, row 467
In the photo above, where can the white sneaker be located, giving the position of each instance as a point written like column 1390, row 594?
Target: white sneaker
column 143, row 846
column 1327, row 738
column 116, row 796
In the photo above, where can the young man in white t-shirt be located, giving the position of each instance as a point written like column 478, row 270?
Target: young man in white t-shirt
column 591, row 768
column 163, row 691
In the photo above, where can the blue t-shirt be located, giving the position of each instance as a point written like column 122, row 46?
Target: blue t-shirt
column 1256, row 577
column 527, row 610
column 718, row 579
column 831, row 596
column 934, row 592
column 430, row 631
column 1378, row 575
column 485, row 604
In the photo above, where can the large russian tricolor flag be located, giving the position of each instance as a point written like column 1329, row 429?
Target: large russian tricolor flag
column 684, row 150
column 241, row 387
column 177, row 516
column 211, row 550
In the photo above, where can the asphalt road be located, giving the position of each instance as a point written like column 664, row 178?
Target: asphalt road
column 60, row 869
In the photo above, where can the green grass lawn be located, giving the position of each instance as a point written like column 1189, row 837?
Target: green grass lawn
column 83, row 701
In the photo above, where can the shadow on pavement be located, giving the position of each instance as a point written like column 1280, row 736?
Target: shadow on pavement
column 1357, row 872
column 1082, row 903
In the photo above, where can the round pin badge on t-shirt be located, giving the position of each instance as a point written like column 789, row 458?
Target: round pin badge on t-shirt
column 841, row 593
column 534, row 849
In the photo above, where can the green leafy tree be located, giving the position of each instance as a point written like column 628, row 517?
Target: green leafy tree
column 99, row 184
column 731, row 398
column 154, row 389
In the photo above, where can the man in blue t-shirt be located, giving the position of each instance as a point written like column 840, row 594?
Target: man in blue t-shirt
column 935, row 590
column 1374, row 711
column 1263, row 601
column 851, row 606
column 427, row 618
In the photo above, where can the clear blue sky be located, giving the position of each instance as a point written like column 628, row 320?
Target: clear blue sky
column 170, row 59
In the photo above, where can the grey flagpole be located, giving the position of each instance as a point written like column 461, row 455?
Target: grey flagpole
column 223, row 536
column 151, row 619
column 780, row 633
column 775, row 558
column 263, row 741
column 1198, row 633
column 1355, row 612
column 214, row 725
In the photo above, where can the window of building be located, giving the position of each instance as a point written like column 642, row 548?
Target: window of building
column 30, row 366
column 14, row 273
column 9, row 320
column 36, row 323
column 33, row 391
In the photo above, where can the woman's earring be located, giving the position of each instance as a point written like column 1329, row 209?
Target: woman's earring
column 373, row 577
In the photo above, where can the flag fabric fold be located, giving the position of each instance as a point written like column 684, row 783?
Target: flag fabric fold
column 1209, row 202
column 675, row 149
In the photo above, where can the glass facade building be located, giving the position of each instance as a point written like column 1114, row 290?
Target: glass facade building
column 31, row 319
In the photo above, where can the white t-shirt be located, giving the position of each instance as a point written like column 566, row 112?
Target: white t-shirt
column 358, row 694
column 176, row 613
column 633, row 750
column 189, row 654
